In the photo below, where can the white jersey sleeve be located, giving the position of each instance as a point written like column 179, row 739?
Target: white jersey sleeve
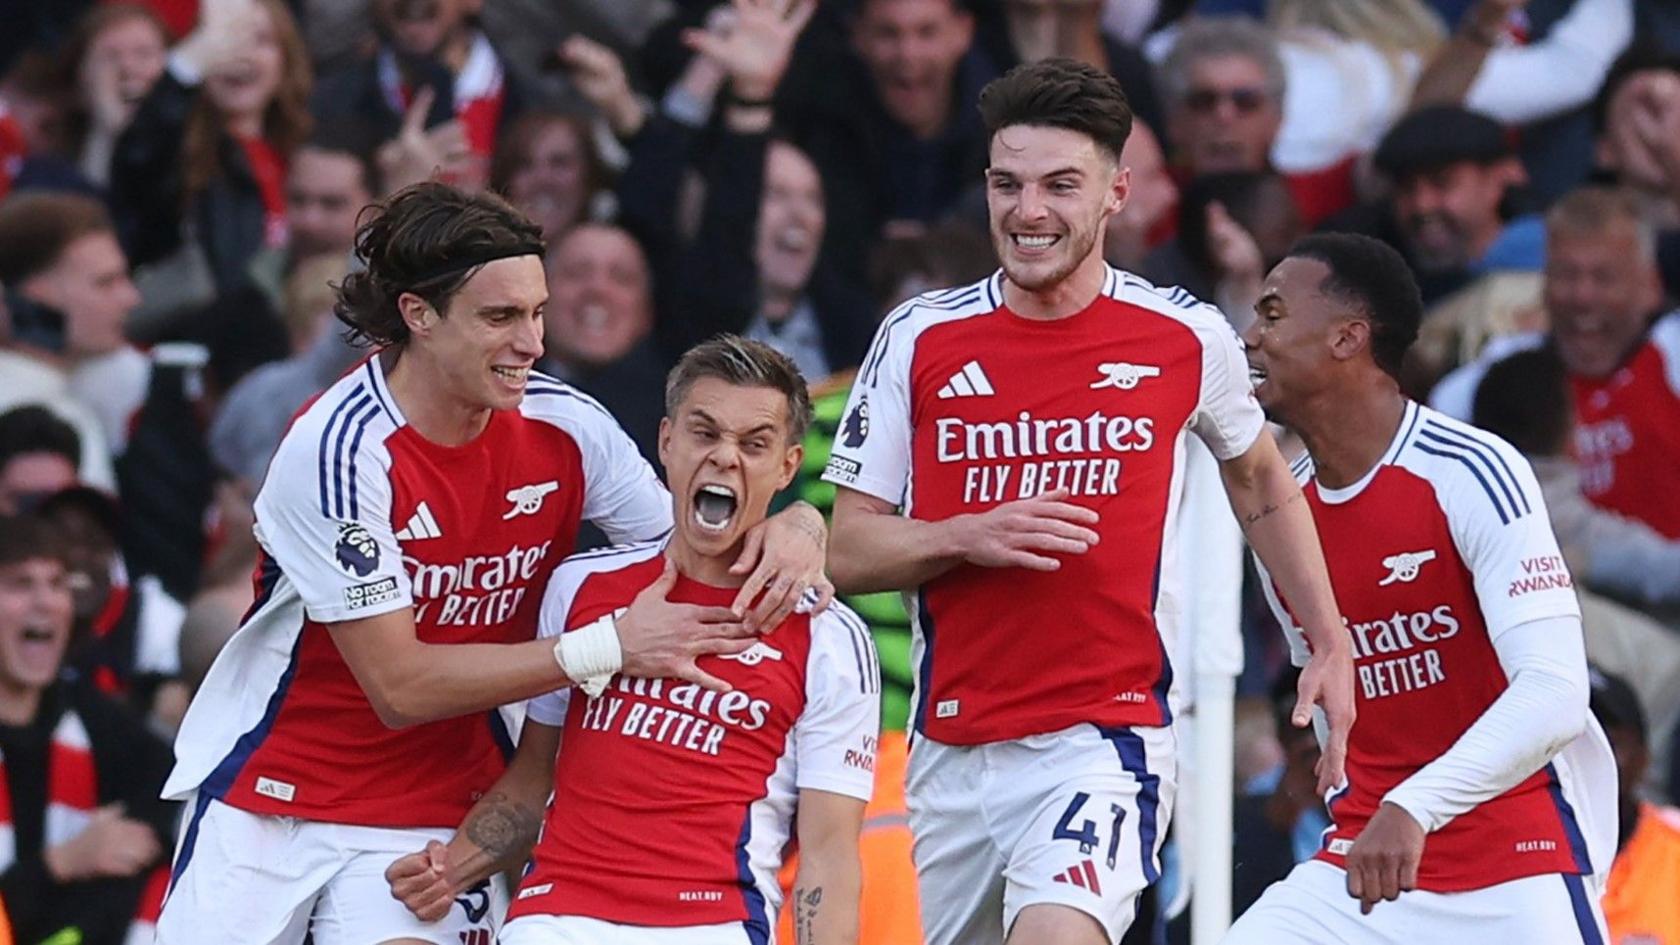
column 324, row 512
column 871, row 451
column 621, row 493
column 1228, row 418
column 836, row 737
column 1499, row 524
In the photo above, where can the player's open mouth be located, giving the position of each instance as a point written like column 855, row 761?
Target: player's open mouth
column 714, row 507
column 1256, row 375
column 514, row 376
column 1035, row 240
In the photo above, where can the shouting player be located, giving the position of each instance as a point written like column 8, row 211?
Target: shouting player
column 1479, row 796
column 408, row 523
column 1013, row 457
column 671, row 804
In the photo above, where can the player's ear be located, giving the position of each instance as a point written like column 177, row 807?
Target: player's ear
column 792, row 457
column 1350, row 337
column 1120, row 189
column 665, row 441
column 417, row 313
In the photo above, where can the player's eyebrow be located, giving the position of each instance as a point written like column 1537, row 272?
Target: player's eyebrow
column 705, row 417
column 505, row 309
column 1268, row 299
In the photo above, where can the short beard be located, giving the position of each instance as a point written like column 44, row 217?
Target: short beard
column 1080, row 242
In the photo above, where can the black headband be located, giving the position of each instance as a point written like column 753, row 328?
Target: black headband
column 473, row 260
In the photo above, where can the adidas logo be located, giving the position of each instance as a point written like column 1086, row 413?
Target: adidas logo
column 420, row 525
column 968, row 382
column 1084, row 876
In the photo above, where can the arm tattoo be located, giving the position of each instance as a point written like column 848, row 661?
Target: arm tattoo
column 813, row 528
column 805, row 903
column 1253, row 518
column 502, row 827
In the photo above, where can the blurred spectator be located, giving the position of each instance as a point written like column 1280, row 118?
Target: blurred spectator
column 1638, row 116
column 1136, row 229
column 115, row 55
column 598, row 328
column 896, row 137
column 81, row 775
column 124, row 639
column 1537, row 64
column 1454, row 175
column 1040, row 29
column 1601, row 294
column 67, row 296
column 1640, row 904
column 949, row 254
column 35, row 94
column 547, row 165
column 198, row 177
column 256, row 412
column 1525, row 399
column 1350, row 66
column 39, row 454
column 1232, row 228
column 433, row 70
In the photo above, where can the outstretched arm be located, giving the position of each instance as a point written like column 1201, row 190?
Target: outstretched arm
column 496, row 835
column 1277, row 523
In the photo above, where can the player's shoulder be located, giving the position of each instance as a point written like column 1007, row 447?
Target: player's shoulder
column 572, row 573
column 1467, row 464
column 608, row 559
column 842, row 634
column 337, row 438
column 553, row 401
column 1174, row 302
column 904, row 326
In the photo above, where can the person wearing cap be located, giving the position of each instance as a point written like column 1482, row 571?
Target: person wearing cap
column 1453, row 174
column 1642, row 899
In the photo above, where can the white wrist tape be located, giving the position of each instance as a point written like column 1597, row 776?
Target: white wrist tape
column 590, row 655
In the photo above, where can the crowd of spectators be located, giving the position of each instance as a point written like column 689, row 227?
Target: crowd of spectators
column 180, row 182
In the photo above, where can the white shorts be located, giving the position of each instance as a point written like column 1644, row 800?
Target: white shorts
column 253, row 878
column 1073, row 818
column 1311, row 906
column 580, row 930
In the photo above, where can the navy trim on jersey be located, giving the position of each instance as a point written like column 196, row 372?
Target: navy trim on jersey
column 1571, row 827
column 268, row 575
column 924, row 672
column 1583, row 910
column 1467, row 463
column 757, row 923
column 624, row 549
column 188, row 841
column 326, row 445
column 994, row 289
column 355, row 452
column 863, row 648
column 871, row 369
column 374, row 384
column 223, row 775
column 1134, row 757
column 564, row 390
column 1336, row 794
column 1491, row 460
column 1410, row 419
column 1163, row 682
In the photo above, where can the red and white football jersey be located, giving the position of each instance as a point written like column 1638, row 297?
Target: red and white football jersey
column 1444, row 545
column 962, row 405
column 360, row 516
column 1627, row 432
column 672, row 803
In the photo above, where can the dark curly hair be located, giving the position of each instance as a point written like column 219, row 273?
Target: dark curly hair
column 1060, row 93
column 427, row 239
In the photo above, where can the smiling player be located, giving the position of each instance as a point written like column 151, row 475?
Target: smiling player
column 1016, row 467
column 408, row 522
column 671, row 805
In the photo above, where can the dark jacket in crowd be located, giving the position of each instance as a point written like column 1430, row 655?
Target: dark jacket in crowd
column 130, row 764
column 147, row 191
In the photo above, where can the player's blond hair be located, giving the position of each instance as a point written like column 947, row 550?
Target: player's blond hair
column 745, row 363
